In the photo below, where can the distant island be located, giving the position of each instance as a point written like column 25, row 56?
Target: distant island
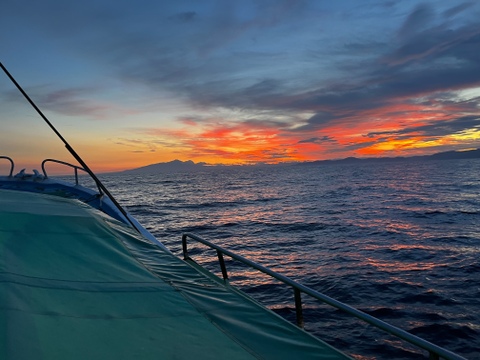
column 177, row 165
column 446, row 155
column 171, row 166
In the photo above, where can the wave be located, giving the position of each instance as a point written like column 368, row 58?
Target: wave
column 445, row 331
column 400, row 242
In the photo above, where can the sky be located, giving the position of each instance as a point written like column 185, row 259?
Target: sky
column 132, row 83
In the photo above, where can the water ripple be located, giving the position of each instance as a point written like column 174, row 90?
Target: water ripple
column 400, row 241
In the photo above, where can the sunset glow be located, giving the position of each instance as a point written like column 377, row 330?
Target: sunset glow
column 176, row 80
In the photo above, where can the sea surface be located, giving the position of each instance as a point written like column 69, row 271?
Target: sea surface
column 398, row 240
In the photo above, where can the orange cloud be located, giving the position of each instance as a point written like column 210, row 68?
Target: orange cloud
column 240, row 144
column 399, row 128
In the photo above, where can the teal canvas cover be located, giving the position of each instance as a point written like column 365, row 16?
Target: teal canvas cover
column 77, row 284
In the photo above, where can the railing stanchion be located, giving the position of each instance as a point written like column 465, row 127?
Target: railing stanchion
column 298, row 307
column 184, row 247
column 436, row 352
column 222, row 265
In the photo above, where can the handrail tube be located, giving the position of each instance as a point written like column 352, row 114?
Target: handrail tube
column 75, row 168
column 12, row 165
column 402, row 334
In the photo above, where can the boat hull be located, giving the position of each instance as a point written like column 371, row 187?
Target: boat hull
column 77, row 283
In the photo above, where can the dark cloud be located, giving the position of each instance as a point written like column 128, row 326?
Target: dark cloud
column 276, row 154
column 452, row 103
column 72, row 101
column 439, row 59
column 435, row 128
column 438, row 43
column 357, row 146
column 226, row 58
column 317, row 140
column 427, row 55
column 455, row 10
column 319, row 120
column 264, row 87
column 418, row 19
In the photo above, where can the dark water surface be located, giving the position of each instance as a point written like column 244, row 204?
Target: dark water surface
column 397, row 240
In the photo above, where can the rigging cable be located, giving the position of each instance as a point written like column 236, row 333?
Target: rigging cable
column 69, row 148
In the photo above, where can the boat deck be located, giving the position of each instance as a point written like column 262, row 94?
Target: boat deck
column 78, row 284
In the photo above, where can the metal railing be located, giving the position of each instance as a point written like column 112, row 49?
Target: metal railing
column 75, row 168
column 121, row 214
column 435, row 352
column 12, row 165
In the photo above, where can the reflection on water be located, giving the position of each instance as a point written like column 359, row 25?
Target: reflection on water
column 401, row 266
column 398, row 240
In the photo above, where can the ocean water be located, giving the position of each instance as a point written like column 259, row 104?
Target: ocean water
column 398, row 240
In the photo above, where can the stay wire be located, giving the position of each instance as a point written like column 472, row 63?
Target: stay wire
column 69, row 148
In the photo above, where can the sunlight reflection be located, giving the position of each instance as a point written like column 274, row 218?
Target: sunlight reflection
column 400, row 266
